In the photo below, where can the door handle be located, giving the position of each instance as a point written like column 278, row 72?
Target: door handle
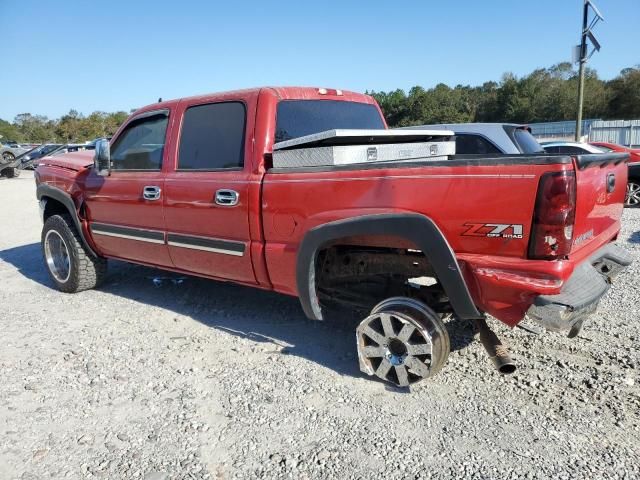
column 228, row 198
column 151, row 192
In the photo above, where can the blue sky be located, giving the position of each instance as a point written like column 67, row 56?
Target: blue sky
column 117, row 55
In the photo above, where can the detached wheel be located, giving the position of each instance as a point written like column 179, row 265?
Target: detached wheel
column 633, row 193
column 402, row 342
column 71, row 267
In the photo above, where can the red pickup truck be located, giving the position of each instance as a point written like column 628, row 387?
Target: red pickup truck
column 190, row 186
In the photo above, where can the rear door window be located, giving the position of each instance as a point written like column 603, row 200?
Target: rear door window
column 212, row 137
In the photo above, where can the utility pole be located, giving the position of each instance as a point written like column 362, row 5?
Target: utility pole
column 583, row 61
column 582, row 58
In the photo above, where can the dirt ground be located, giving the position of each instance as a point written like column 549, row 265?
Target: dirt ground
column 199, row 379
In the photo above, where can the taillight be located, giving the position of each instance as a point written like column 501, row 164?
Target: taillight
column 554, row 216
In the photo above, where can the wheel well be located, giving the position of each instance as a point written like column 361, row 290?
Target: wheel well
column 53, row 207
column 360, row 276
column 402, row 233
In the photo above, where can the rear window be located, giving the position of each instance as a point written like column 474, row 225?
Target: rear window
column 297, row 118
column 526, row 142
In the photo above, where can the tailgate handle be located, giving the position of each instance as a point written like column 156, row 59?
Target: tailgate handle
column 611, row 182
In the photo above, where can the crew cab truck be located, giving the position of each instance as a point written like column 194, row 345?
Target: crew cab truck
column 190, row 186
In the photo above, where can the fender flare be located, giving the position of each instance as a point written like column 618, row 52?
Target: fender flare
column 420, row 230
column 44, row 190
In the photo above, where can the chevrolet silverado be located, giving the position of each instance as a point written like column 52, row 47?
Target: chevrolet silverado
column 229, row 186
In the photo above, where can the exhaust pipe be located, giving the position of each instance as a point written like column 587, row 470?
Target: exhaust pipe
column 497, row 351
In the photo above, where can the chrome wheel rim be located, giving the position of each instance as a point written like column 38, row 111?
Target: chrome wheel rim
column 633, row 195
column 402, row 342
column 7, row 156
column 57, row 256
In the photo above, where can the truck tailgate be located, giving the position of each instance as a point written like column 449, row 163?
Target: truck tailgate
column 601, row 184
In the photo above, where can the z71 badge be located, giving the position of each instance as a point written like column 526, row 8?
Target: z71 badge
column 493, row 230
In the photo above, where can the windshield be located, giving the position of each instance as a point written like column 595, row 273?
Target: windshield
column 297, row 118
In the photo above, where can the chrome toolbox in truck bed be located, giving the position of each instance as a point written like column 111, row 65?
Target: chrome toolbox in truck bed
column 345, row 147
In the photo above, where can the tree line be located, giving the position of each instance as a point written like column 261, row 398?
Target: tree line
column 546, row 94
column 70, row 128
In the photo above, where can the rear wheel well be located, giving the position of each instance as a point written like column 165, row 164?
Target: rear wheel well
column 357, row 277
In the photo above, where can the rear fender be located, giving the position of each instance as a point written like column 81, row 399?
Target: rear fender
column 421, row 231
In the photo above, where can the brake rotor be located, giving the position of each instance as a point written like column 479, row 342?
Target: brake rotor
column 402, row 341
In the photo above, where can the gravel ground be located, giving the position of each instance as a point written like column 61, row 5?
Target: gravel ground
column 199, row 379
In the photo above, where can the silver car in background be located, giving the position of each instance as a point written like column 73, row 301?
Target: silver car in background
column 9, row 152
column 488, row 138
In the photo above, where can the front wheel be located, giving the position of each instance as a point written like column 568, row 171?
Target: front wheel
column 633, row 193
column 70, row 265
column 8, row 157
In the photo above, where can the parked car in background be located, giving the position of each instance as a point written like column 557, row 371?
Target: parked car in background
column 570, row 148
column 9, row 151
column 67, row 148
column 633, row 187
column 29, row 159
column 632, row 198
column 634, row 153
column 488, row 138
column 9, row 169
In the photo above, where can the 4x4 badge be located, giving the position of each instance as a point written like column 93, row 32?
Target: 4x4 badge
column 492, row 230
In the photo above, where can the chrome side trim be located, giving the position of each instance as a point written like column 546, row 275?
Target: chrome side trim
column 118, row 231
column 206, row 249
column 129, row 237
column 206, row 244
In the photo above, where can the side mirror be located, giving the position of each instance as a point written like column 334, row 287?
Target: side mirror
column 102, row 158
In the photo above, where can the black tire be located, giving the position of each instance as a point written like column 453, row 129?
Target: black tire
column 13, row 172
column 85, row 271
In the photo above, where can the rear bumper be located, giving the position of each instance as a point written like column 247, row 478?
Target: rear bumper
column 580, row 294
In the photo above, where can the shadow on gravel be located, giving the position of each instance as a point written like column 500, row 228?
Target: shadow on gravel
column 258, row 315
column 28, row 260
column 634, row 237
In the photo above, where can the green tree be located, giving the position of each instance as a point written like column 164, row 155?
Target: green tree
column 35, row 128
column 9, row 131
column 624, row 91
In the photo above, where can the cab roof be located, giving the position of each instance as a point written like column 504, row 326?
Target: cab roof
column 282, row 93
